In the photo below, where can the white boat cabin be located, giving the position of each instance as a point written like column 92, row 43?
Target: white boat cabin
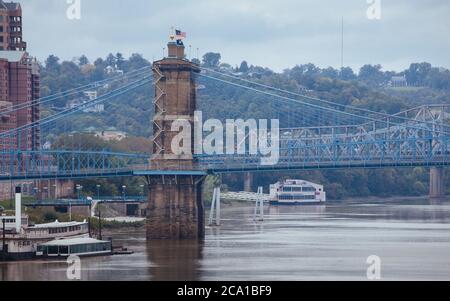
column 297, row 192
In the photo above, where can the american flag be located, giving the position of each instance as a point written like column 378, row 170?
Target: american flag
column 179, row 35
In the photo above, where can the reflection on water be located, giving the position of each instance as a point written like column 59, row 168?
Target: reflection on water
column 332, row 242
column 309, row 209
column 32, row 270
column 175, row 260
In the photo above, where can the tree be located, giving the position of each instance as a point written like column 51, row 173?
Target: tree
column 372, row 75
column 111, row 60
column 211, row 59
column 99, row 62
column 335, row 191
column 310, row 69
column 52, row 64
column 438, row 79
column 244, row 67
column 83, row 60
column 119, row 60
column 304, row 74
column 417, row 73
column 347, row 74
column 136, row 61
column 330, row 72
column 70, row 69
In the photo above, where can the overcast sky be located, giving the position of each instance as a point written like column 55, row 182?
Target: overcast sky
column 272, row 33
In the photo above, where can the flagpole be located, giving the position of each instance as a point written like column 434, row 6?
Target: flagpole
column 342, row 43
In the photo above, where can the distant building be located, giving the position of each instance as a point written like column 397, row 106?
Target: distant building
column 255, row 75
column 399, row 81
column 47, row 145
column 113, row 70
column 226, row 68
column 111, row 135
column 11, row 27
column 89, row 96
column 97, row 108
column 92, row 95
column 109, row 70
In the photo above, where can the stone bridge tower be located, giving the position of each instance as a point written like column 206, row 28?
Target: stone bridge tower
column 175, row 207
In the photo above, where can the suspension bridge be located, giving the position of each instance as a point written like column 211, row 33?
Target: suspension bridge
column 315, row 134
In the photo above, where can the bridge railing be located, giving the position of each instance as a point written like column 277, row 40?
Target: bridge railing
column 35, row 164
column 339, row 153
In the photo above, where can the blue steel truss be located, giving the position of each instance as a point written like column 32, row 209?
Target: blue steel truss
column 420, row 141
column 22, row 165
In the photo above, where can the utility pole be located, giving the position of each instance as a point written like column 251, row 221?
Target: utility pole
column 89, row 226
column 55, row 186
column 70, row 211
column 11, row 189
column 342, row 44
column 123, row 192
column 142, row 190
column 98, row 191
column 99, row 224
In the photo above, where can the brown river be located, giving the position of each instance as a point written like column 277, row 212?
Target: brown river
column 410, row 237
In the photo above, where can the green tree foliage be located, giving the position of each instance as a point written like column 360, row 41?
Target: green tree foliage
column 417, row 73
column 347, row 74
column 372, row 74
column 52, row 64
column 83, row 60
column 133, row 111
column 211, row 59
column 244, row 67
column 120, row 60
column 130, row 112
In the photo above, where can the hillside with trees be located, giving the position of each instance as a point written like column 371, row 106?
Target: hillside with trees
column 371, row 88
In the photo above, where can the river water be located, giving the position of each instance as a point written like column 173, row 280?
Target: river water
column 333, row 242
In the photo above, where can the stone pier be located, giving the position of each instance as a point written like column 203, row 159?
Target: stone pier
column 437, row 182
column 175, row 207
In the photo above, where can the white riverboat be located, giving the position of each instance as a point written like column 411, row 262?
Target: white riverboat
column 20, row 241
column 297, row 192
column 23, row 244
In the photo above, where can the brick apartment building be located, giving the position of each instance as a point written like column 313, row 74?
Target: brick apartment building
column 19, row 76
column 19, row 85
column 11, row 27
column 7, row 122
